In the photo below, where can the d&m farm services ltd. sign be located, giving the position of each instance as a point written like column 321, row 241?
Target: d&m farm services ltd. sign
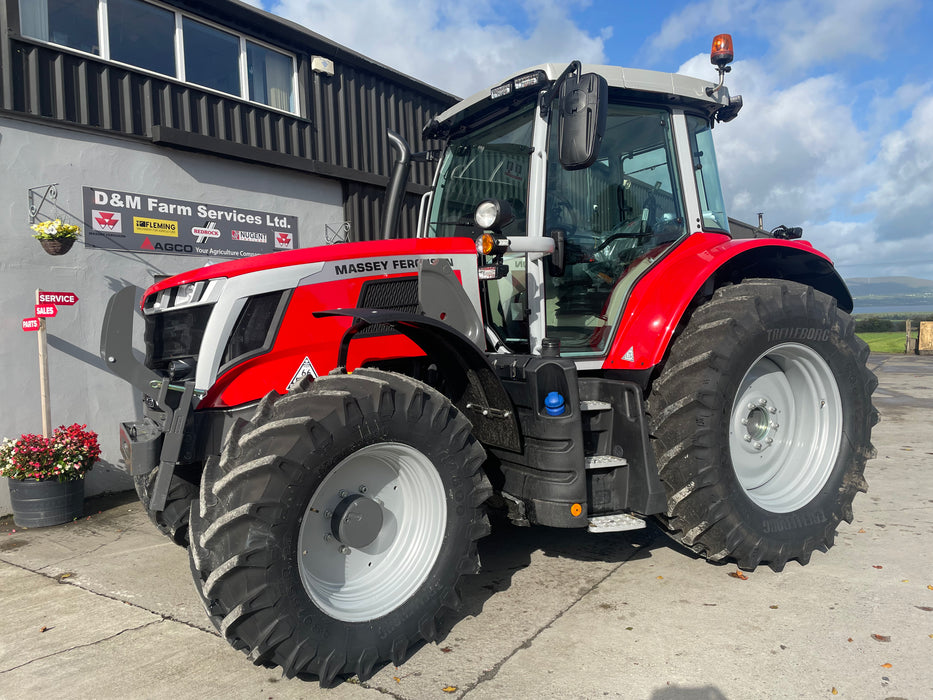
column 145, row 223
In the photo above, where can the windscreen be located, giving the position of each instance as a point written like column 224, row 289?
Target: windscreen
column 488, row 163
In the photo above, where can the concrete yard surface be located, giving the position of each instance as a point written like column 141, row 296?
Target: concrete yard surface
column 104, row 607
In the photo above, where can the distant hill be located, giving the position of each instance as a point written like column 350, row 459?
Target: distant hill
column 891, row 291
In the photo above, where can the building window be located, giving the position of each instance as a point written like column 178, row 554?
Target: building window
column 159, row 39
column 211, row 57
column 142, row 35
column 71, row 23
column 270, row 76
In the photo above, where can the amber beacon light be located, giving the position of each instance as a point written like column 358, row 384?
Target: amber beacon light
column 721, row 54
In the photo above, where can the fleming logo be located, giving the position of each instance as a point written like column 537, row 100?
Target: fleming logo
column 155, row 227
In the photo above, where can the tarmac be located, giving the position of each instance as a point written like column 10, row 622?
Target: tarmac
column 104, row 607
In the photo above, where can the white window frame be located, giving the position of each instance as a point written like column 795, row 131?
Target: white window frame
column 103, row 43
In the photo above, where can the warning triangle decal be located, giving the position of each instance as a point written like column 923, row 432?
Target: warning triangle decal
column 304, row 370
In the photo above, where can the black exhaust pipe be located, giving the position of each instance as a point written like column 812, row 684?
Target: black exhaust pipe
column 395, row 191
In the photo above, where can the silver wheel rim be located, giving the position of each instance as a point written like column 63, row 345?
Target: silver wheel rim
column 358, row 583
column 785, row 430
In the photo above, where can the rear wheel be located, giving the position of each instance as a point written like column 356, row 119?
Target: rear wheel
column 333, row 531
column 761, row 422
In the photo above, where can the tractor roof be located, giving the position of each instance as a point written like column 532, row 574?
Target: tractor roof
column 671, row 88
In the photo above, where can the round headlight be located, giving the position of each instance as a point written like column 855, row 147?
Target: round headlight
column 487, row 214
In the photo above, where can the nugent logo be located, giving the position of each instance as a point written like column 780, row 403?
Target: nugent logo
column 249, row 236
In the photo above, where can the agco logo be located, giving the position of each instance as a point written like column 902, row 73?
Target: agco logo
column 166, row 247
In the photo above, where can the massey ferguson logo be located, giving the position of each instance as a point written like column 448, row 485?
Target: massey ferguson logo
column 249, row 236
column 106, row 221
column 284, row 241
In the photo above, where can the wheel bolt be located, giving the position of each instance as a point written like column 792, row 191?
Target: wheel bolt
column 772, row 409
column 775, row 425
column 769, row 440
column 328, row 537
column 327, row 514
column 343, row 549
column 747, row 437
column 363, row 488
column 762, row 401
column 751, row 406
column 343, row 493
column 745, row 421
column 757, row 445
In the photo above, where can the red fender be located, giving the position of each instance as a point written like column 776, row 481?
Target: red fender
column 659, row 300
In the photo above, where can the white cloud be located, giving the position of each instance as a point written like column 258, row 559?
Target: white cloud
column 804, row 151
column 458, row 47
column 792, row 153
column 802, row 33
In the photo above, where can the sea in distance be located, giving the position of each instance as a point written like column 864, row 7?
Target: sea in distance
column 897, row 309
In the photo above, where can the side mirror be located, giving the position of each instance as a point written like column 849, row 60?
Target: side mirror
column 583, row 102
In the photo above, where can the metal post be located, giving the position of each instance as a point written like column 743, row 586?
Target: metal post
column 44, row 376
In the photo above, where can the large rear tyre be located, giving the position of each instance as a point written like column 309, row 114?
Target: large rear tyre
column 761, row 423
column 333, row 531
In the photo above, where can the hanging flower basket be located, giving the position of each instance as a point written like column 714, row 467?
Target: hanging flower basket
column 57, row 246
column 46, row 475
column 56, row 237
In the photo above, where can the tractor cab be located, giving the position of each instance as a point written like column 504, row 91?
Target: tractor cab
column 614, row 166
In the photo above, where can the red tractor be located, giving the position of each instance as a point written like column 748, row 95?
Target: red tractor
column 574, row 337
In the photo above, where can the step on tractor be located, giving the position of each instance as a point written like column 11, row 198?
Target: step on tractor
column 574, row 338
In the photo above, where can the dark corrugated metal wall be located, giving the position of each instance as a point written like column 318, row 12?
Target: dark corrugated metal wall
column 348, row 115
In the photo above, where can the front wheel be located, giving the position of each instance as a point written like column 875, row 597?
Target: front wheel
column 337, row 524
column 762, row 422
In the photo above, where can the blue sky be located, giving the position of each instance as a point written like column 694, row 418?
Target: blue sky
column 837, row 130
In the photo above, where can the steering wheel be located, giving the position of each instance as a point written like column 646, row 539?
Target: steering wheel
column 617, row 236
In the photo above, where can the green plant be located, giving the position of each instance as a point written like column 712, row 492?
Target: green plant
column 69, row 454
column 55, row 231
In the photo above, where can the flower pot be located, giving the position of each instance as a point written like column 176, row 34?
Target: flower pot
column 57, row 246
column 43, row 503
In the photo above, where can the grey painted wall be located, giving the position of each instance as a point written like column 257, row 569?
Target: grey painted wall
column 82, row 391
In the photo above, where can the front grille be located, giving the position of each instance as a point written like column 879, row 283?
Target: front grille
column 255, row 328
column 399, row 294
column 175, row 335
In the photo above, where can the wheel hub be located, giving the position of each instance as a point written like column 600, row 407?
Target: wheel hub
column 371, row 532
column 760, row 423
column 356, row 521
column 785, row 427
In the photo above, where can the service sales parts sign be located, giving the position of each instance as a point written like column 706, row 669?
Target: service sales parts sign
column 147, row 223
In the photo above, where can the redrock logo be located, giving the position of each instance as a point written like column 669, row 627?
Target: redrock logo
column 106, row 221
column 250, row 236
column 205, row 232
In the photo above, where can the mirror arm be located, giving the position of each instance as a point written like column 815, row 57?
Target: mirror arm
column 548, row 97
